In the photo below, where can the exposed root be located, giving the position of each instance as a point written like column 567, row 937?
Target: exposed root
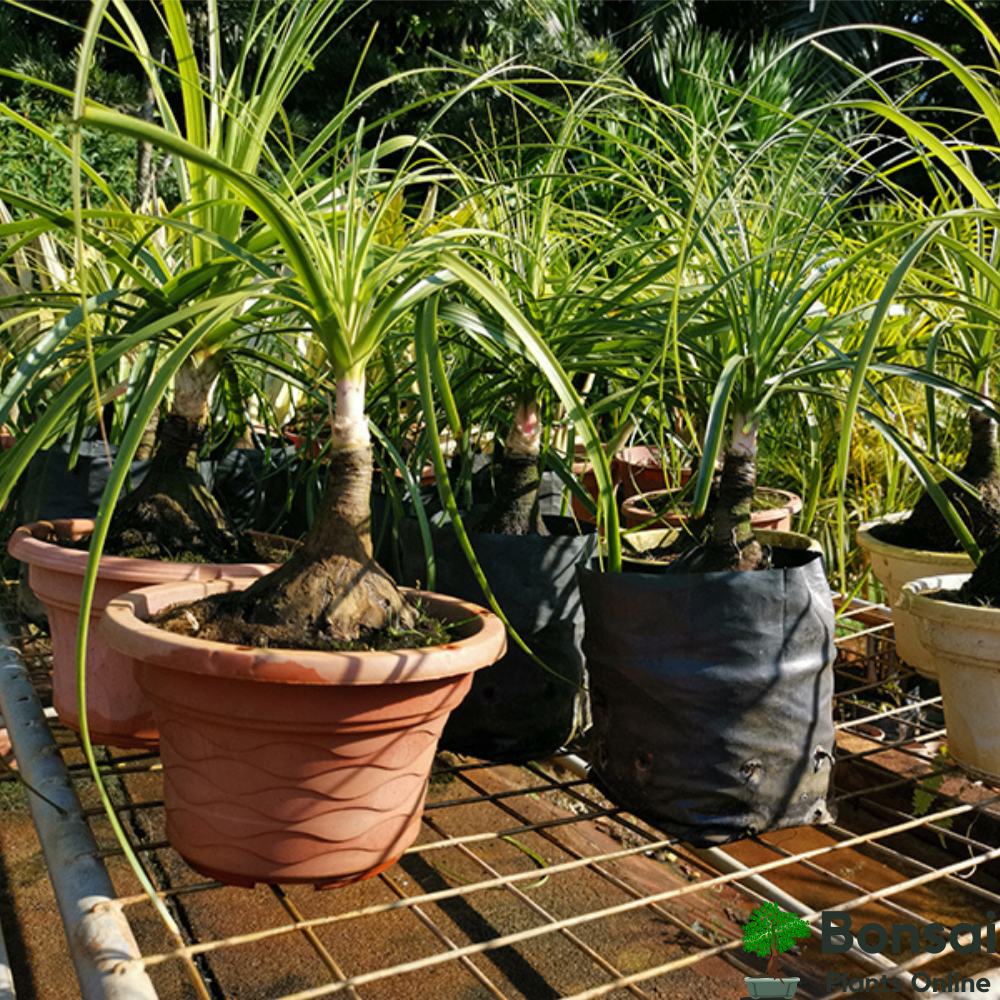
column 159, row 526
column 171, row 515
column 334, row 604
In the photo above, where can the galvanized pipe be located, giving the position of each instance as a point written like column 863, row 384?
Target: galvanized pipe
column 6, row 975
column 7, row 990
column 101, row 943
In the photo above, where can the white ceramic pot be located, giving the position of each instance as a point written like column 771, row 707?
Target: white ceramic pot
column 894, row 566
column 964, row 643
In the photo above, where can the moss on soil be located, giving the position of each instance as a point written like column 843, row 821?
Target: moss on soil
column 210, row 619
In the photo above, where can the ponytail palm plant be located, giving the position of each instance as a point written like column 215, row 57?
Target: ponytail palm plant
column 334, row 249
column 960, row 282
column 959, row 290
column 579, row 276
column 352, row 278
column 770, row 251
column 168, row 289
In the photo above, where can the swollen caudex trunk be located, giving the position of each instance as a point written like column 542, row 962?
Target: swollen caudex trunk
column 193, row 389
column 515, row 509
column 331, row 590
column 172, row 515
column 926, row 527
column 731, row 544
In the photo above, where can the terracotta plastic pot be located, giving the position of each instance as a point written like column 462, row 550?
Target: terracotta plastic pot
column 894, row 566
column 638, row 511
column 639, row 470
column 633, row 470
column 117, row 711
column 584, row 471
column 962, row 645
column 294, row 766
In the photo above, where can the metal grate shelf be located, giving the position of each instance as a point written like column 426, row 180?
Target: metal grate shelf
column 525, row 882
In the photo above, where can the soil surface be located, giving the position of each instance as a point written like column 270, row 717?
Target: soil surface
column 217, row 619
column 258, row 549
column 906, row 536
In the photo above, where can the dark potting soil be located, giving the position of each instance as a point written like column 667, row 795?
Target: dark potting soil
column 665, row 558
column 255, row 549
column 212, row 619
column 158, row 527
column 982, row 589
column 906, row 536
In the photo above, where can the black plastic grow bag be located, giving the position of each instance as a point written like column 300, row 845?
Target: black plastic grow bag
column 712, row 696
column 516, row 709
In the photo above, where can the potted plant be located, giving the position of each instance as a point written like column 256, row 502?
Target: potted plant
column 348, row 263
column 955, row 614
column 178, row 289
column 959, row 517
column 529, row 238
column 924, row 541
column 695, row 668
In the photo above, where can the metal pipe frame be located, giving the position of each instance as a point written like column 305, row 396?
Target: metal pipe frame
column 101, row 943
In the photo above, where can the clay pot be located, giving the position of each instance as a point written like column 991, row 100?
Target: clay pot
column 638, row 512
column 117, row 711
column 584, row 471
column 961, row 643
column 896, row 565
column 293, row 766
column 639, row 470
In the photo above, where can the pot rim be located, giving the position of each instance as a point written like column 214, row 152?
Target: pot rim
column 124, row 627
column 34, row 543
column 932, row 557
column 918, row 598
column 647, row 538
column 792, row 504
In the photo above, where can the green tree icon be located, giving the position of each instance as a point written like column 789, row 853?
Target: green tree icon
column 770, row 929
